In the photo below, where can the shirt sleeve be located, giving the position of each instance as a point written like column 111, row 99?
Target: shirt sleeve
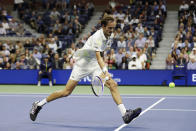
column 98, row 44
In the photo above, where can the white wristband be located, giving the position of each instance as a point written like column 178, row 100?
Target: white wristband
column 105, row 69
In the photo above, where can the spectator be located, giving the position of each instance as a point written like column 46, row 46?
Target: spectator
column 119, row 56
column 5, row 51
column 191, row 65
column 141, row 56
column 54, row 14
column 192, row 55
column 5, row 25
column 124, row 63
column 121, row 43
column 37, row 55
column 134, row 64
column 140, row 42
column 184, row 6
column 31, row 62
column 2, row 30
column 170, row 62
column 23, row 62
column 151, row 44
column 181, row 60
column 52, row 45
column 139, row 28
column 45, row 70
column 56, row 61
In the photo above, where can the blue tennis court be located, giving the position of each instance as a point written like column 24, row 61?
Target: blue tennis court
column 89, row 113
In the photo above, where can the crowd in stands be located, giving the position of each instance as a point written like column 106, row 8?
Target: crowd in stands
column 135, row 39
column 28, row 54
column 137, row 33
column 9, row 26
column 57, row 17
column 183, row 49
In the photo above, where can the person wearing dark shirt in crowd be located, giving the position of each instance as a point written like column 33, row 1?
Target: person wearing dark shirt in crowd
column 181, row 60
column 45, row 70
column 124, row 63
column 56, row 62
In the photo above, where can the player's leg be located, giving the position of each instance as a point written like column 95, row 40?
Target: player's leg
column 76, row 75
column 37, row 106
column 71, row 84
column 127, row 115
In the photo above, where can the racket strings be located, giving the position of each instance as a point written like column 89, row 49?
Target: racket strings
column 97, row 86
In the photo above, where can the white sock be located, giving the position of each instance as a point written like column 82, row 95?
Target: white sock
column 43, row 102
column 122, row 109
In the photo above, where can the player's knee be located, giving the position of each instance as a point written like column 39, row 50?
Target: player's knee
column 112, row 85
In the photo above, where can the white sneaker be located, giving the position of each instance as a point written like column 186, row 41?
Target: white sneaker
column 39, row 83
column 50, row 83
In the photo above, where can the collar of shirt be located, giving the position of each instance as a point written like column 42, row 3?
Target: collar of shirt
column 102, row 34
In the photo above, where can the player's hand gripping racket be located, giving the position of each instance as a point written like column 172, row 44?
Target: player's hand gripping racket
column 97, row 85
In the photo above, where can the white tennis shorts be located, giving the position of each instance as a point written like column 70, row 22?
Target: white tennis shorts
column 79, row 72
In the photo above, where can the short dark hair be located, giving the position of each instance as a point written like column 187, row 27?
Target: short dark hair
column 106, row 19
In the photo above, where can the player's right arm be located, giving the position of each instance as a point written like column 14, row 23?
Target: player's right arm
column 102, row 63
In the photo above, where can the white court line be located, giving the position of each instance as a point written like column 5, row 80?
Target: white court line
column 124, row 125
column 183, row 110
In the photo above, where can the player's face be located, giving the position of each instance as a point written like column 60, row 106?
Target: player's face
column 109, row 28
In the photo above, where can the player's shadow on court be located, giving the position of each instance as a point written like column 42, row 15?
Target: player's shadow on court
column 59, row 125
column 101, row 128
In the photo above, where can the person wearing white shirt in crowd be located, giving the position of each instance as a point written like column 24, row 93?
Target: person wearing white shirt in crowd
column 127, row 18
column 134, row 64
column 151, row 44
column 54, row 14
column 140, row 42
column 134, row 21
column 121, row 15
column 192, row 55
column 139, row 28
column 128, row 34
column 52, row 45
column 5, row 25
column 141, row 55
column 112, row 3
column 163, row 7
column 191, row 65
column 4, row 51
column 37, row 55
column 184, row 6
column 121, row 43
column 18, row 1
column 2, row 30
column 122, row 24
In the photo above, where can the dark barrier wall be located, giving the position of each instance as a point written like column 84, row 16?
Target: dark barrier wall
column 122, row 77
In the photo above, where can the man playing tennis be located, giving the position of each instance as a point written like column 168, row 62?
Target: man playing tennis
column 89, row 62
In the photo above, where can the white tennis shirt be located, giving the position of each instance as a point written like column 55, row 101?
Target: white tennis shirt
column 97, row 42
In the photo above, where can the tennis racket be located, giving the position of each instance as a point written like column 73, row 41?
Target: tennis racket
column 97, row 85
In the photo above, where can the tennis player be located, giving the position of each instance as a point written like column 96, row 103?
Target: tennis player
column 89, row 62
